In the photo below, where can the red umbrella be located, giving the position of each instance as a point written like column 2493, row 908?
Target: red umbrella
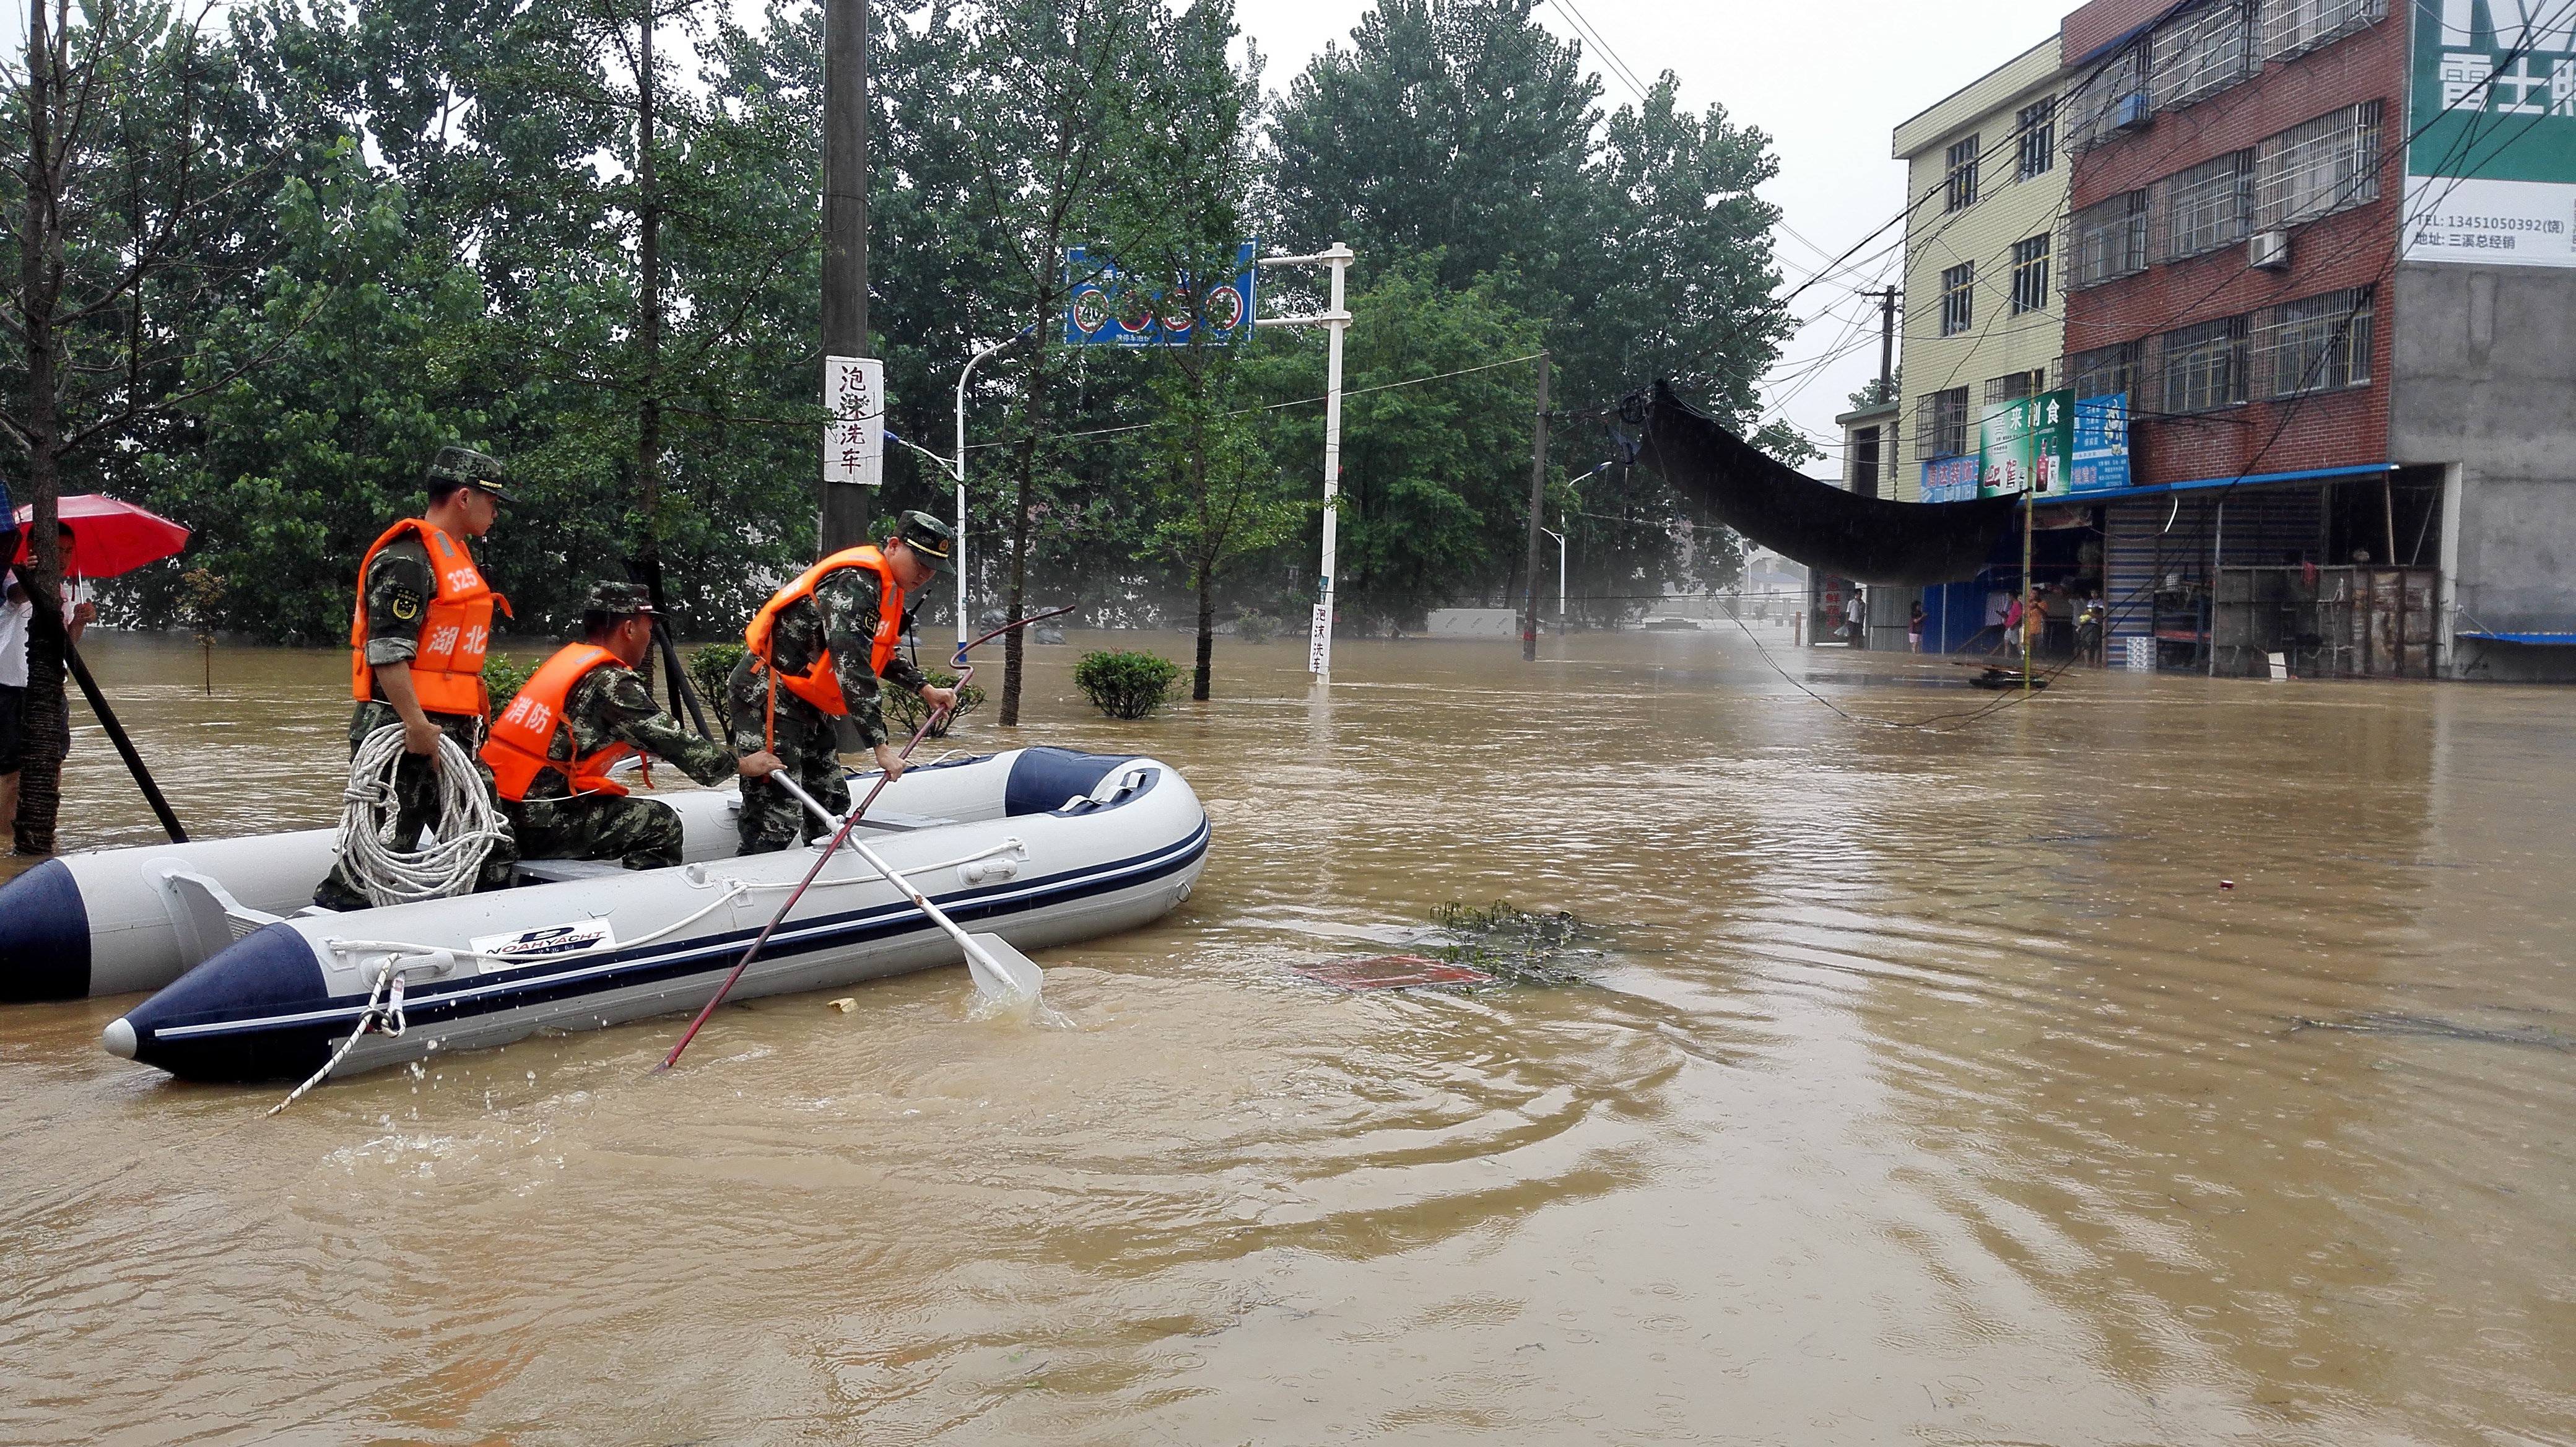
column 111, row 537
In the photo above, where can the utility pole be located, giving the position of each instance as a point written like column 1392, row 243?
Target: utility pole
column 1887, row 345
column 846, row 508
column 1538, row 496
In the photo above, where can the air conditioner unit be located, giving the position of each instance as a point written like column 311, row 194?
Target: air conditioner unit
column 2269, row 250
column 2129, row 111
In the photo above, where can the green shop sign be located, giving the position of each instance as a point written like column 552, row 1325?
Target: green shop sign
column 2491, row 168
column 2026, row 444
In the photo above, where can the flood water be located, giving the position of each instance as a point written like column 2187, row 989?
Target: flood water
column 1928, row 1087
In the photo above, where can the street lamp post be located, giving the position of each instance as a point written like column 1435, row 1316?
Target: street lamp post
column 955, row 468
column 1336, row 320
column 1560, row 573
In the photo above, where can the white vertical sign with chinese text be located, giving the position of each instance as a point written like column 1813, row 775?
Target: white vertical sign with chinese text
column 854, row 440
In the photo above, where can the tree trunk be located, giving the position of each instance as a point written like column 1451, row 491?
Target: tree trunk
column 40, row 281
column 648, row 421
column 1207, row 630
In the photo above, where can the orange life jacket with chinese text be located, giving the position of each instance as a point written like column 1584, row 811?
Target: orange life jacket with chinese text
column 516, row 746
column 818, row 685
column 455, row 629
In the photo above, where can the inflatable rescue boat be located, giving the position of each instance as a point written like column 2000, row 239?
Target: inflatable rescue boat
column 1039, row 846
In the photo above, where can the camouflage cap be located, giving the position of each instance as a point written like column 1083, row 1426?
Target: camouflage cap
column 929, row 537
column 620, row 599
column 474, row 469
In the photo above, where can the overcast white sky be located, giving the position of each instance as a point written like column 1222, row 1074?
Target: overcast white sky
column 1827, row 85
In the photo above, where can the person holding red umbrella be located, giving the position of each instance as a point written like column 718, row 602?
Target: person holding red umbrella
column 416, row 645
column 17, row 616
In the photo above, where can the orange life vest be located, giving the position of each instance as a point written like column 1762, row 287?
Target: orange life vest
column 818, row 685
column 516, row 747
column 447, row 667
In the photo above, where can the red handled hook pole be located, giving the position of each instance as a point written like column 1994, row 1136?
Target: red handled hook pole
column 966, row 671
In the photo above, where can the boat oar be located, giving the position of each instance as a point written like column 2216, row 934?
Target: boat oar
column 1001, row 972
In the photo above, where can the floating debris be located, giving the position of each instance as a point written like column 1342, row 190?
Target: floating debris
column 2425, row 1025
column 1518, row 947
column 1390, row 972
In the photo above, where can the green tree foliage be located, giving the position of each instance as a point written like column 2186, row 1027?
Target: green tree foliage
column 1125, row 685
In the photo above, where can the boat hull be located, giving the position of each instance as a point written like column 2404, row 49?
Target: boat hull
column 1122, row 851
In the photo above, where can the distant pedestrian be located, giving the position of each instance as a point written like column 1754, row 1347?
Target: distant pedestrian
column 17, row 619
column 1914, row 627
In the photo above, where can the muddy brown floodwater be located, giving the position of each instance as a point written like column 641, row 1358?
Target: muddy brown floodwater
column 1928, row 1088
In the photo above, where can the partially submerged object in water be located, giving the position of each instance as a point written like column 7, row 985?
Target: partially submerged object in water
column 1865, row 539
column 1040, row 846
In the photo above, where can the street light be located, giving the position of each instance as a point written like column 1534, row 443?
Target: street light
column 957, row 470
column 1560, row 571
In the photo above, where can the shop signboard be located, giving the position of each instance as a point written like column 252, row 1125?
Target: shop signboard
column 2491, row 155
column 1950, row 479
column 1110, row 308
column 2100, row 456
column 2026, row 445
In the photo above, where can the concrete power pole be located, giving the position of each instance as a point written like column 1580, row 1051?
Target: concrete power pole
column 846, row 509
column 1538, row 497
column 1887, row 345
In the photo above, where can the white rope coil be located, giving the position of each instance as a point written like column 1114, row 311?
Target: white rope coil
column 466, row 827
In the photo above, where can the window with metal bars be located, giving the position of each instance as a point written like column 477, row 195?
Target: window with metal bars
column 2103, row 370
column 2318, row 167
column 1943, row 424
column 2013, row 386
column 2315, row 344
column 2198, row 54
column 2108, row 240
column 1864, row 461
column 2035, row 138
column 2293, row 27
column 1959, row 186
column 2108, row 99
column 2030, row 274
column 2209, row 206
column 2203, row 366
column 1959, row 299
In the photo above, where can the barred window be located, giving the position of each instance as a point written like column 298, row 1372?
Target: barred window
column 2103, row 370
column 2292, row 27
column 2030, row 274
column 2199, row 54
column 2316, row 344
column 2108, row 240
column 2319, row 167
column 2013, row 386
column 2209, row 206
column 1944, row 423
column 1959, row 187
column 2035, row 137
column 2110, row 98
column 1958, row 299
column 1864, row 461
column 2204, row 366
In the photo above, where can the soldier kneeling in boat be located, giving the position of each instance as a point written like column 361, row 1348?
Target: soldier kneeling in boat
column 585, row 709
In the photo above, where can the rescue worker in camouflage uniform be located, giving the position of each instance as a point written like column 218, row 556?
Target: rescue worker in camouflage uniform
column 815, row 653
column 584, row 710
column 424, row 619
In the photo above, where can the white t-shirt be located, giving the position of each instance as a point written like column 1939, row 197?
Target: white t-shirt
column 16, row 618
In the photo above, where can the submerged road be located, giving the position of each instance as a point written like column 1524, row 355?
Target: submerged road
column 1926, row 1086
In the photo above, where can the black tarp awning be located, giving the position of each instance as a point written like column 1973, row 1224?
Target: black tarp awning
column 1866, row 539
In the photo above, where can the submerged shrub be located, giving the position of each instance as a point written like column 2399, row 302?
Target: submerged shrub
column 904, row 710
column 1125, row 685
column 710, row 664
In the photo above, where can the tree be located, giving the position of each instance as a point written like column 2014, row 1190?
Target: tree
column 1047, row 120
column 122, row 224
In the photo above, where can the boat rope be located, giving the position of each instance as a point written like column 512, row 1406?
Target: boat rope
column 467, row 825
column 389, row 980
column 734, row 889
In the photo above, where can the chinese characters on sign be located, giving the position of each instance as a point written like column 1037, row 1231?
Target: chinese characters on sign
column 1950, row 479
column 854, row 440
column 2491, row 167
column 2101, row 451
column 2025, row 443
